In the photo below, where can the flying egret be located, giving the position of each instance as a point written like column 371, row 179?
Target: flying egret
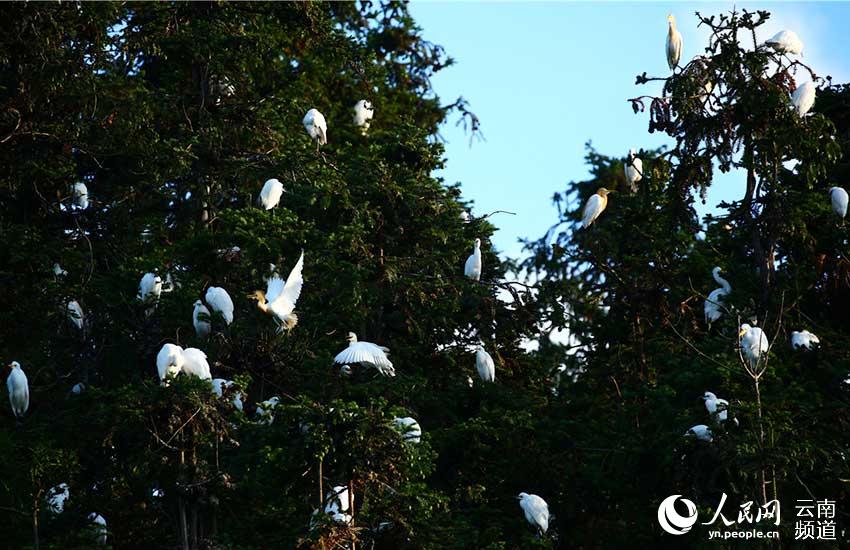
column 195, row 363
column 58, row 271
column 536, row 511
column 150, row 287
column 804, row 97
column 265, row 410
column 19, row 390
column 280, row 298
column 75, row 314
column 594, row 206
column 363, row 113
column 674, row 43
column 220, row 302
column 701, row 432
column 484, row 365
column 201, row 319
column 634, row 170
column 839, row 201
column 714, row 302
column 57, row 496
column 314, row 123
column 717, row 408
column 80, row 196
column 99, row 527
column 220, row 386
column 409, row 428
column 473, row 266
column 753, row 342
column 169, row 362
column 786, row 42
column 803, row 339
column 366, row 353
column 270, row 194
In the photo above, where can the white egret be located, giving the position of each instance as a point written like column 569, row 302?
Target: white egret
column 78, row 388
column 465, row 216
column 265, row 410
column 674, row 43
column 634, row 170
column 536, row 511
column 220, row 302
column 804, row 97
column 803, row 339
column 839, row 201
column 169, row 361
column 786, row 42
column 75, row 314
column 58, row 271
column 363, row 113
column 345, row 370
column 701, row 432
column 270, row 194
column 195, row 364
column 80, row 196
column 473, row 266
column 280, row 298
column 365, row 353
column 716, row 407
column 314, row 123
column 220, row 386
column 337, row 504
column 19, row 390
column 99, row 527
column 409, row 428
column 201, row 319
column 714, row 303
column 150, row 287
column 753, row 342
column 594, row 206
column 57, row 496
column 484, row 365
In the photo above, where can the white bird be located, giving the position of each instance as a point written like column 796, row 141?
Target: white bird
column 337, row 504
column 220, row 302
column 536, row 510
column 634, row 170
column 58, row 271
column 803, row 339
column 714, row 302
column 594, row 206
column 150, row 287
column 270, row 194
column 280, row 298
column 363, row 113
column 674, row 43
column 195, row 364
column 409, row 428
column 366, row 353
column 265, row 410
column 99, row 527
column 484, row 365
column 57, row 496
column 717, row 408
column 169, row 361
column 839, row 201
column 314, row 123
column 804, row 97
column 701, row 432
column 75, row 314
column 220, row 385
column 80, row 196
column 345, row 370
column 78, row 388
column 201, row 319
column 473, row 266
column 753, row 342
column 786, row 42
column 465, row 217
column 19, row 390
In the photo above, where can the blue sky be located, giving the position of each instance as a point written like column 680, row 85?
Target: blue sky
column 546, row 77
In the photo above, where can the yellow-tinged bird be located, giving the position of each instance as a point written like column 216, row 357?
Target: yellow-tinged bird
column 674, row 43
column 594, row 206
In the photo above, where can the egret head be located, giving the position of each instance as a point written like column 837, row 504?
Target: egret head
column 745, row 328
column 717, row 270
column 257, row 295
column 351, row 337
column 14, row 365
column 521, row 496
column 708, row 396
column 198, row 303
column 477, row 243
column 632, row 153
column 671, row 20
column 345, row 370
column 602, row 192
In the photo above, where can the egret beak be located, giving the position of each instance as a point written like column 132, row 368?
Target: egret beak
column 742, row 332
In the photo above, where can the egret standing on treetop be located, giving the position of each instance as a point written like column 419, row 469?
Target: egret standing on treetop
column 804, row 97
column 280, row 298
column 786, row 42
column 220, row 302
column 473, row 266
column 839, row 201
column 803, row 339
column 195, row 363
column 536, row 510
column 363, row 113
column 674, row 43
column 701, row 432
column 753, row 343
column 19, row 390
column 634, row 170
column 150, row 287
column 365, row 353
column 484, row 365
column 594, row 206
column 201, row 319
column 314, row 123
column 169, row 361
column 714, row 302
column 717, row 408
column 270, row 194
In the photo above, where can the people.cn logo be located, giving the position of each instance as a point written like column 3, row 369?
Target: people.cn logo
column 671, row 521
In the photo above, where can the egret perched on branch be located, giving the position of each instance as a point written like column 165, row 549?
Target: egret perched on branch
column 804, row 97
column 594, row 206
column 634, row 170
column 473, row 266
column 484, row 365
column 536, row 510
column 220, row 386
column 409, row 428
column 674, row 43
column 195, row 363
column 150, row 287
column 280, row 298
column 78, row 388
column 753, row 342
column 80, row 196
column 366, row 353
column 839, row 201
column 270, row 194
column 337, row 504
column 786, row 42
column 19, row 390
column 201, row 319
column 363, row 113
column 803, row 339
column 314, row 123
column 220, row 302
column 714, row 302
column 701, row 432
column 99, row 527
column 58, row 271
column 717, row 408
column 169, row 361
column 265, row 410
column 57, row 496
column 75, row 314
